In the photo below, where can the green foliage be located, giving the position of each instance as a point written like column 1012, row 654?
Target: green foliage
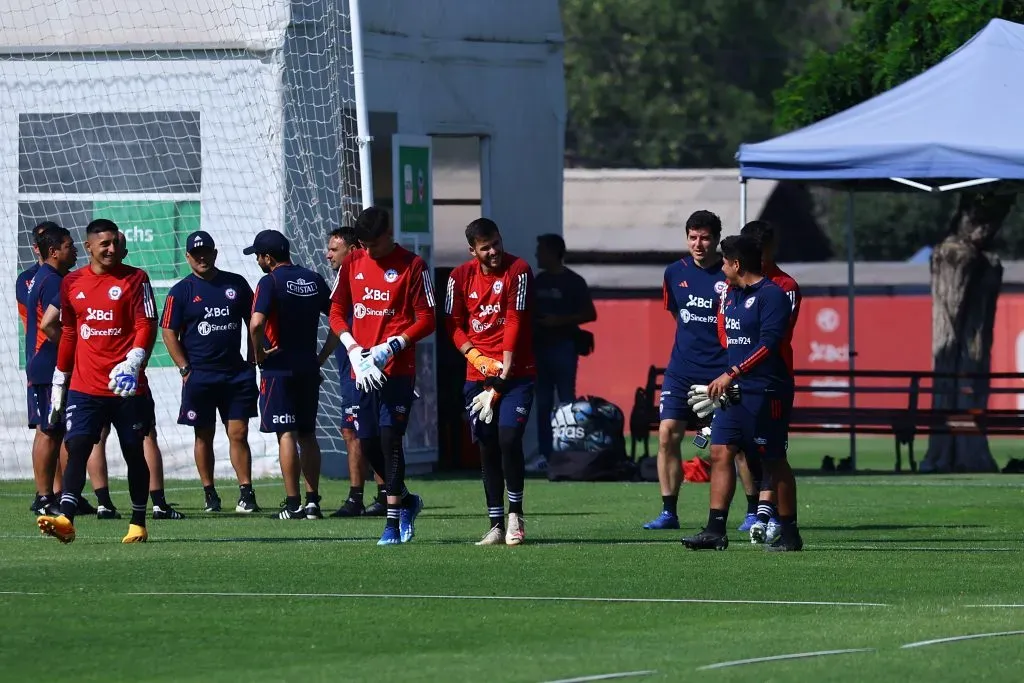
column 891, row 41
column 662, row 83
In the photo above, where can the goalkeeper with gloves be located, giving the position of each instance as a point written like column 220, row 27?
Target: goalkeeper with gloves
column 488, row 302
column 754, row 419
column 389, row 295
column 108, row 326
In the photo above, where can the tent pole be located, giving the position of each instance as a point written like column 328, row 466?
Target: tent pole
column 851, row 342
column 743, row 201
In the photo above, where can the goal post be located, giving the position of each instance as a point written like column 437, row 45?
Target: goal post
column 168, row 116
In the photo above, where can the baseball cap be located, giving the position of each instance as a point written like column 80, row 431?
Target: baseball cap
column 267, row 241
column 198, row 240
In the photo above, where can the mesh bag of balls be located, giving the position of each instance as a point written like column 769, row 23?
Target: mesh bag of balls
column 588, row 442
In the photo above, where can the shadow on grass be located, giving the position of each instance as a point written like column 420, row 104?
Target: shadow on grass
column 441, row 541
column 890, row 527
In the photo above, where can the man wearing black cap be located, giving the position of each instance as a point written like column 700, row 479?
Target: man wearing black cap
column 285, row 323
column 202, row 326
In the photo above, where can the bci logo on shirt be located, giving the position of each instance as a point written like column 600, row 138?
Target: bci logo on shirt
column 301, row 287
column 376, row 294
column 732, row 324
column 99, row 314
column 699, row 302
column 216, row 312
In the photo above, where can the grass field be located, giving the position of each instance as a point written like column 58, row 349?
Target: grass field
column 229, row 598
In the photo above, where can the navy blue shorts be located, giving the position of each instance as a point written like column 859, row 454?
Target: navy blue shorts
column 513, row 407
column 289, row 403
column 388, row 407
column 759, row 425
column 207, row 393
column 348, row 393
column 86, row 416
column 672, row 403
column 39, row 410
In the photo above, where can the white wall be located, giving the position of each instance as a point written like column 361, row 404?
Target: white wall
column 488, row 67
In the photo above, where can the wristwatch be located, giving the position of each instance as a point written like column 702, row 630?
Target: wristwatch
column 184, row 370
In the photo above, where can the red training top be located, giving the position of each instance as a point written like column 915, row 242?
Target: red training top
column 491, row 313
column 386, row 298
column 103, row 317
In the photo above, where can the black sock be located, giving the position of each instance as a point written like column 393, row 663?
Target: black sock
column 515, row 502
column 669, row 504
column 393, row 514
column 245, row 491
column 382, row 495
column 752, row 500
column 716, row 521
column 57, row 495
column 158, row 499
column 293, row 503
column 210, row 491
column 408, row 501
column 139, row 516
column 788, row 522
column 355, row 494
column 68, row 505
column 496, row 517
column 103, row 498
column 765, row 511
column 312, row 497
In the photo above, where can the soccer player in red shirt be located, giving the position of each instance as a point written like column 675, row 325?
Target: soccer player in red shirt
column 760, row 519
column 108, row 326
column 487, row 303
column 389, row 293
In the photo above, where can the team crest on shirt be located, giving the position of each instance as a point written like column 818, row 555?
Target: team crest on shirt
column 390, row 275
column 230, row 294
column 496, row 287
column 114, row 293
column 28, row 287
column 721, row 286
column 750, row 302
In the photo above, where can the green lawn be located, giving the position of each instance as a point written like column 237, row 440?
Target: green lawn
column 323, row 603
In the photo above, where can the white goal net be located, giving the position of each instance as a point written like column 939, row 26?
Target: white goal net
column 168, row 116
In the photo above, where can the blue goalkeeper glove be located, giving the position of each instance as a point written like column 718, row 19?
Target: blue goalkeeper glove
column 382, row 353
column 124, row 378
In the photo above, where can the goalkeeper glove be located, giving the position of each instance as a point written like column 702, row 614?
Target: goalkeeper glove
column 368, row 375
column 483, row 404
column 58, row 394
column 124, row 378
column 382, row 353
column 488, row 367
column 701, row 403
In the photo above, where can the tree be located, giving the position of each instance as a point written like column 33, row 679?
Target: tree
column 892, row 41
column 669, row 84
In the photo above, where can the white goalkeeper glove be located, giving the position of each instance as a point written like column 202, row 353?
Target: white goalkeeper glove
column 382, row 353
column 483, row 404
column 124, row 378
column 368, row 375
column 58, row 394
column 701, row 403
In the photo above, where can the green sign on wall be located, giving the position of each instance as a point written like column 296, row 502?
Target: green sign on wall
column 414, row 192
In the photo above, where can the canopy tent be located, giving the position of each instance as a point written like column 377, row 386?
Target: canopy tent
column 952, row 127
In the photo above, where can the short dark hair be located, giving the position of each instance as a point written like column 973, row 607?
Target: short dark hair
column 481, row 229
column 39, row 230
column 51, row 238
column 553, row 242
column 746, row 250
column 346, row 234
column 763, row 232
column 101, row 225
column 705, row 219
column 372, row 223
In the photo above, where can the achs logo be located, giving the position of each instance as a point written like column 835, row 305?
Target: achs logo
column 284, row 419
column 230, row 294
column 114, row 293
column 376, row 294
column 749, row 302
column 301, row 287
column 361, row 311
column 496, row 287
column 99, row 314
column 390, row 275
column 721, row 286
column 216, row 312
column 84, row 332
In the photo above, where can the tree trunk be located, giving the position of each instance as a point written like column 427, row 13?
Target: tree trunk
column 966, row 278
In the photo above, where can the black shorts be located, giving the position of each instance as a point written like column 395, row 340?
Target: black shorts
column 207, row 393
